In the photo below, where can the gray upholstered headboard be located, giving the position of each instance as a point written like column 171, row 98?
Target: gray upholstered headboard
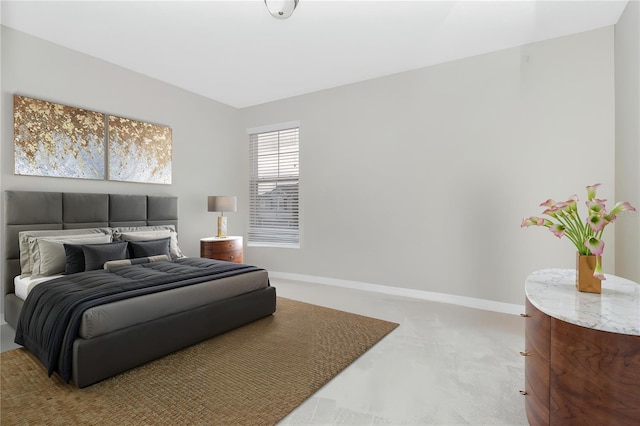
column 30, row 210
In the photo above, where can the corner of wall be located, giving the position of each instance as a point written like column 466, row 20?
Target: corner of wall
column 627, row 111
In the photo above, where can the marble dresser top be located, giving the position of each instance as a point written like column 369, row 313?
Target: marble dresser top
column 616, row 309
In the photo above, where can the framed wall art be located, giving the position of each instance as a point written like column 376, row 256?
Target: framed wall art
column 138, row 151
column 51, row 139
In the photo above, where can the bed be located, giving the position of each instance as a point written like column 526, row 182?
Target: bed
column 139, row 329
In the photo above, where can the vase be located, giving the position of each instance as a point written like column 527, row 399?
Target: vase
column 585, row 281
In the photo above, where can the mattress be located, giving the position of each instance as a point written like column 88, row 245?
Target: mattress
column 24, row 285
column 114, row 316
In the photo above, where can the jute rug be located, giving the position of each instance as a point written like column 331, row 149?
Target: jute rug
column 254, row 375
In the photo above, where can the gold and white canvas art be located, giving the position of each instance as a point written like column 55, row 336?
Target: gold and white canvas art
column 57, row 140
column 138, row 151
column 51, row 139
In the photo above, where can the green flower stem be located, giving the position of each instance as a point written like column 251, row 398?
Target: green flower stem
column 570, row 230
column 575, row 230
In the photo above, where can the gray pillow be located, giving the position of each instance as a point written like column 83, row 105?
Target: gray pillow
column 48, row 253
column 139, row 261
column 150, row 248
column 95, row 255
column 26, row 263
column 74, row 259
column 145, row 233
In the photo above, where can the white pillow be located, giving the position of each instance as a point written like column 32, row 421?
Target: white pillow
column 23, row 240
column 48, row 255
column 153, row 235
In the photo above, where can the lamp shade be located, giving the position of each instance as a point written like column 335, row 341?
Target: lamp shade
column 222, row 203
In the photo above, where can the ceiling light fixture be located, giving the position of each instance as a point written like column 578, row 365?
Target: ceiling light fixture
column 281, row 9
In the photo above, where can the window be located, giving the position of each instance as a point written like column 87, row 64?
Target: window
column 273, row 193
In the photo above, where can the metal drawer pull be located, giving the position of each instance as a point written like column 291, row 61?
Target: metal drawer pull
column 525, row 315
column 524, row 353
column 523, row 392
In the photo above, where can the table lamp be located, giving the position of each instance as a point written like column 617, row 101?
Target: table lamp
column 222, row 203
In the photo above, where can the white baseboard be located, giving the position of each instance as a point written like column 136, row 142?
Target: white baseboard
column 469, row 302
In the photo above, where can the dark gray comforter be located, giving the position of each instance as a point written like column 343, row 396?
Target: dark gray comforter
column 51, row 315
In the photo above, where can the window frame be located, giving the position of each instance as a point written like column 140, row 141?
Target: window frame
column 278, row 181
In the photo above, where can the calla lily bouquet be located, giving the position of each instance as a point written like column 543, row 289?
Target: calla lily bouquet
column 587, row 235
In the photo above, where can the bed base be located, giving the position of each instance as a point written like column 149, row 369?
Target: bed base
column 113, row 353
column 12, row 307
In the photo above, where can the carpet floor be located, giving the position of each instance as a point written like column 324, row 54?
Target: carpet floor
column 254, row 375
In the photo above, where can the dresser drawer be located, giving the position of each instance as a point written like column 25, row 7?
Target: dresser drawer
column 537, row 408
column 537, row 377
column 537, row 332
column 536, row 364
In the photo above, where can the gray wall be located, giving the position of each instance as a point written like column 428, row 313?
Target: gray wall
column 627, row 45
column 205, row 132
column 420, row 180
column 417, row 180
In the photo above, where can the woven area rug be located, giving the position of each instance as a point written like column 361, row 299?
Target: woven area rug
column 254, row 375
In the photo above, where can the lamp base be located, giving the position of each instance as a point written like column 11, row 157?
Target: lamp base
column 222, row 227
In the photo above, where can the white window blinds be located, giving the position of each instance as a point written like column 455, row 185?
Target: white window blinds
column 273, row 198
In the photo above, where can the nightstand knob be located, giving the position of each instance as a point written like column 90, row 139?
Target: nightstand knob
column 524, row 353
column 523, row 392
column 525, row 315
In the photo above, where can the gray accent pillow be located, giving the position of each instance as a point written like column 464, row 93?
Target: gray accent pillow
column 141, row 260
column 148, row 248
column 75, row 259
column 95, row 255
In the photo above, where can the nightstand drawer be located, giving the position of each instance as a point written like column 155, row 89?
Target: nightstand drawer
column 224, row 245
column 227, row 249
column 229, row 256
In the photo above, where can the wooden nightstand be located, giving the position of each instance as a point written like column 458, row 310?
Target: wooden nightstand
column 228, row 248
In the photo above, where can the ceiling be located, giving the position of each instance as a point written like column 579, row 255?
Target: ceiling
column 236, row 53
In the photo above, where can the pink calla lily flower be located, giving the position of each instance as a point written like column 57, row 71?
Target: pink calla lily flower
column 597, row 222
column 526, row 222
column 622, row 206
column 535, row 221
column 597, row 272
column 595, row 246
column 591, row 191
column 548, row 203
column 557, row 229
column 572, row 202
column 595, row 206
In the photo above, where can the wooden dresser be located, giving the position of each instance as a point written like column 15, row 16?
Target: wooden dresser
column 227, row 248
column 582, row 351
